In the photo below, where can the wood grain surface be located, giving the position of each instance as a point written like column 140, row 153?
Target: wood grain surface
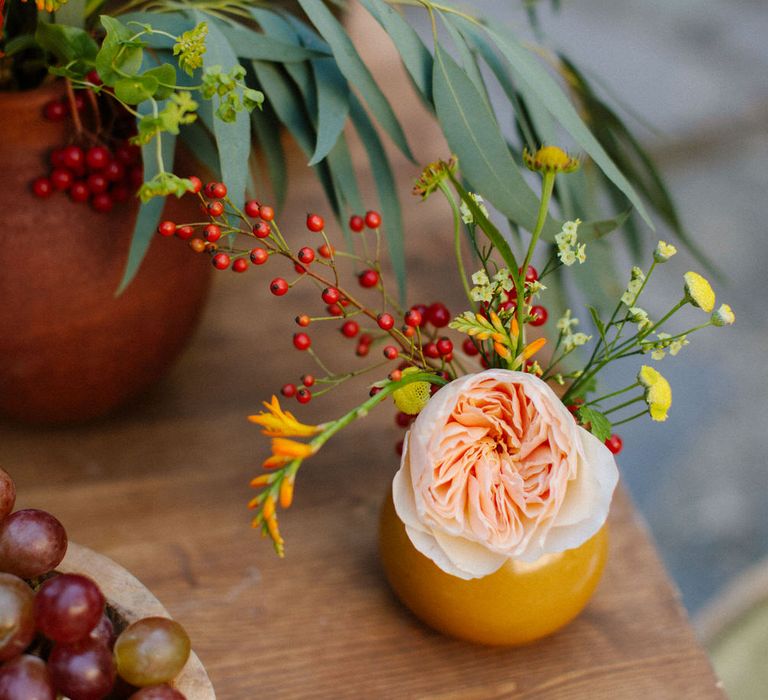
column 161, row 488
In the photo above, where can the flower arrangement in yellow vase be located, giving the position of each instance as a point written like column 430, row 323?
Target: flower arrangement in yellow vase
column 507, row 469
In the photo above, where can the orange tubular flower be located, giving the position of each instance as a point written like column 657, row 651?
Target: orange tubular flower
column 279, row 423
column 285, row 451
column 532, row 348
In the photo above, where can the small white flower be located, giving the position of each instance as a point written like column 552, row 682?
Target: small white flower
column 724, row 316
column 567, row 256
column 633, row 289
column 481, row 293
column 572, row 227
column 466, row 214
column 677, row 345
column 535, row 288
column 581, row 254
column 565, row 240
column 638, row 274
column 480, row 278
column 640, row 317
column 565, row 322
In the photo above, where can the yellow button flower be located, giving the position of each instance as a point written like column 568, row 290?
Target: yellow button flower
column 699, row 292
column 550, row 159
column 412, row 397
column 658, row 393
column 724, row 316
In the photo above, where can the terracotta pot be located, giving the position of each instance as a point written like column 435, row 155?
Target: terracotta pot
column 131, row 600
column 70, row 349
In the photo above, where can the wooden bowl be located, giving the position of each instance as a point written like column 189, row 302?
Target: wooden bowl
column 132, row 601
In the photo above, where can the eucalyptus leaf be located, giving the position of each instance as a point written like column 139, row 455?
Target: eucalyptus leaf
column 355, row 71
column 255, row 46
column 232, row 137
column 414, row 54
column 265, row 125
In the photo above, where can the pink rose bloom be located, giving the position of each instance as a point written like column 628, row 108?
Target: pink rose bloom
column 495, row 467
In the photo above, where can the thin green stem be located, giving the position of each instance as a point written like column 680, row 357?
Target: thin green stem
column 626, row 420
column 613, row 409
column 611, row 395
column 457, row 242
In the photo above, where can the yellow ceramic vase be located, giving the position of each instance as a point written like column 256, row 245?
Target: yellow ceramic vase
column 519, row 603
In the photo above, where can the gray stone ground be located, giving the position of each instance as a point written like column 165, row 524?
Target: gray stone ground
column 696, row 69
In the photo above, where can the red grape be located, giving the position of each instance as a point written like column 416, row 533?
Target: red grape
column 104, row 632
column 158, row 692
column 32, row 543
column 17, row 617
column 151, row 651
column 82, row 671
column 7, row 493
column 26, row 678
column 68, row 607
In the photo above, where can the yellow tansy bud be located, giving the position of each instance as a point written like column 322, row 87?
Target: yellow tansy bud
column 412, row 397
column 658, row 393
column 699, row 292
column 664, row 251
column 550, row 159
column 724, row 316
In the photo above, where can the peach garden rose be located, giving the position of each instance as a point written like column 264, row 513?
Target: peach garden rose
column 496, row 467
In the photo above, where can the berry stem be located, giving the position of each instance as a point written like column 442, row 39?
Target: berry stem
column 73, row 107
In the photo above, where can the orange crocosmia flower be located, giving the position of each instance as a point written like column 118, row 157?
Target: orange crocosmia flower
column 285, row 451
column 532, row 348
column 279, row 423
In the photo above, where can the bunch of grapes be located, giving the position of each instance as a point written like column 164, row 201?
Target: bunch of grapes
column 58, row 637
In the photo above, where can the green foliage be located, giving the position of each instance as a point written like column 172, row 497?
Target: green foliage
column 599, row 425
column 164, row 184
column 190, row 48
column 179, row 110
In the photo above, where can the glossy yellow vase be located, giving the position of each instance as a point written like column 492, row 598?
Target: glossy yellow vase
column 519, row 603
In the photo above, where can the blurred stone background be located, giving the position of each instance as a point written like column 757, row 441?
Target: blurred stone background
column 696, row 70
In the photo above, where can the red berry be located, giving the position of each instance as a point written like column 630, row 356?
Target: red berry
column 403, row 420
column 288, row 390
column 399, row 445
column 120, row 193
column 79, row 191
column 218, row 190
column 315, row 223
column 303, row 320
column 614, row 444
column 307, row 380
column 97, row 183
column 395, row 375
column 166, row 228
column 73, row 157
column 212, row 233
column 215, row 208
column 368, row 278
column 301, row 341
column 386, row 321
column 97, row 157
column 56, row 158
column 356, row 223
column 335, row 310
column 128, row 154
column 330, row 295
column 306, row 255
column 366, row 339
column 262, row 230
column 221, row 261
column 102, row 203
column 326, row 251
column 538, row 316
column 413, row 318
column 252, row 208
column 209, row 189
column 278, row 286
column 55, row 110
column 240, row 265
column 259, row 256
column 422, row 309
column 93, row 78
column 42, row 187
column 531, row 274
column 303, row 395
column 198, row 245
column 431, row 351
column 266, row 212
column 438, row 315
column 136, row 176
column 372, row 219
column 390, row 352
column 114, row 171
column 362, row 349
column 350, row 329
column 61, row 179
column 469, row 347
column 197, row 183
column 444, row 346
column 185, row 232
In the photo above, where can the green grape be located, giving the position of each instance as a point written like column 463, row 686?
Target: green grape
column 17, row 616
column 151, row 651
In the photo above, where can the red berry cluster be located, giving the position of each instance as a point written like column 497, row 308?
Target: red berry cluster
column 97, row 175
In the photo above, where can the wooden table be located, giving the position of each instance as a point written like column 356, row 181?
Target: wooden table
column 161, row 488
